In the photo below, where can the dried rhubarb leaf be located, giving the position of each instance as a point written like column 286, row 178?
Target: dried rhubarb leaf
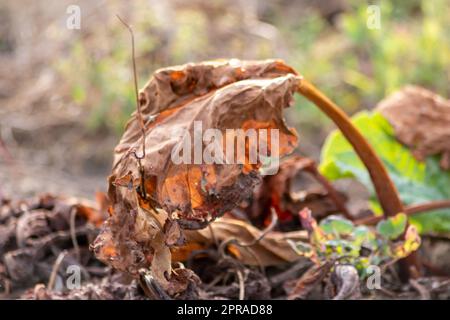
column 126, row 240
column 183, row 280
column 421, row 120
column 161, row 261
column 272, row 249
column 173, row 233
column 154, row 198
column 219, row 95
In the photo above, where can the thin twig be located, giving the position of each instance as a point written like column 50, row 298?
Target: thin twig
column 138, row 105
column 73, row 235
column 55, row 269
column 290, row 273
column 241, row 284
column 424, row 293
column 248, row 245
column 215, row 281
column 138, row 108
column 235, row 241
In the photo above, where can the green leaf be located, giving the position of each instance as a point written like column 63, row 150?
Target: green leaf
column 302, row 249
column 393, row 227
column 416, row 181
column 364, row 236
column 341, row 247
column 336, row 225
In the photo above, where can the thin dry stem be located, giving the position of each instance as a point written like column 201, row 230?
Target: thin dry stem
column 138, row 108
column 272, row 225
column 55, row 269
column 241, row 285
column 73, row 233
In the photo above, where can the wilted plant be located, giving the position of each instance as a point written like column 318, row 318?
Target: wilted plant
column 154, row 199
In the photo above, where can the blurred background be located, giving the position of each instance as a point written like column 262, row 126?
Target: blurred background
column 65, row 94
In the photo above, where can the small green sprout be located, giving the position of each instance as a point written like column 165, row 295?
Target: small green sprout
column 338, row 239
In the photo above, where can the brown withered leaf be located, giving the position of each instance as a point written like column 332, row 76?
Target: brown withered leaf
column 173, row 233
column 182, row 280
column 421, row 120
column 309, row 280
column 125, row 240
column 293, row 188
column 272, row 249
column 221, row 95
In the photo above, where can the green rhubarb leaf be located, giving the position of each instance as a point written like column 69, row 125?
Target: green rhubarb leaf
column 416, row 181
